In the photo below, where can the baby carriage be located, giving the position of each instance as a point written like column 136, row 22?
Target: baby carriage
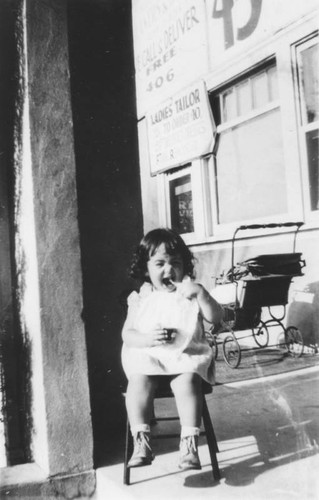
column 247, row 288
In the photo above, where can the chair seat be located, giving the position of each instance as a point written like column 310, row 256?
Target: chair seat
column 164, row 389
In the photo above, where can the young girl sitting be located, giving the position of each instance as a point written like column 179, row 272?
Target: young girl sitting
column 168, row 301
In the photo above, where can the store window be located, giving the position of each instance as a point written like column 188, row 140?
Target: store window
column 249, row 161
column 181, row 204
column 308, row 99
column 187, row 200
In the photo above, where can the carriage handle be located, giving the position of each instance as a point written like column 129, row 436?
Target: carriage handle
column 263, row 226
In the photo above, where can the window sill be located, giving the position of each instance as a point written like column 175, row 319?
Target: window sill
column 224, row 238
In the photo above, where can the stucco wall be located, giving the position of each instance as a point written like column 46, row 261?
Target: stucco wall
column 65, row 375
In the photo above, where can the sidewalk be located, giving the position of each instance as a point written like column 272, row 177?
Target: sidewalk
column 268, row 433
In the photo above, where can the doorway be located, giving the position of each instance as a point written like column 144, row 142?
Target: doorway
column 109, row 200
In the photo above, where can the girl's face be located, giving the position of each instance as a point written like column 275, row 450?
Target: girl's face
column 162, row 267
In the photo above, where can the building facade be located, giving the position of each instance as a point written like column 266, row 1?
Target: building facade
column 227, row 99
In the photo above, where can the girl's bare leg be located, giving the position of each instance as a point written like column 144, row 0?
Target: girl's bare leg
column 139, row 399
column 139, row 405
column 188, row 395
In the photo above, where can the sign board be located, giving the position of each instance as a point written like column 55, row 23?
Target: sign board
column 180, row 129
column 237, row 25
column 170, row 48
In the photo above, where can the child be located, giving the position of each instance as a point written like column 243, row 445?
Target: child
column 169, row 300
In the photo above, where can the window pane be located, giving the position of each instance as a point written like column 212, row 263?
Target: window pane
column 309, row 78
column 244, row 97
column 250, row 170
column 273, row 83
column 229, row 105
column 260, row 89
column 181, row 200
column 312, row 140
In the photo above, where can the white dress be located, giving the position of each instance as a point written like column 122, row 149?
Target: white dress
column 188, row 352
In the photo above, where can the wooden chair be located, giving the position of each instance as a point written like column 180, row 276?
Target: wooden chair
column 166, row 392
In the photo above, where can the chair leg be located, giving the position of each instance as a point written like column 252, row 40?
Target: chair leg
column 128, row 451
column 211, row 440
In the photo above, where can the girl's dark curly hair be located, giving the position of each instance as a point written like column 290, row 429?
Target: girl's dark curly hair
column 174, row 245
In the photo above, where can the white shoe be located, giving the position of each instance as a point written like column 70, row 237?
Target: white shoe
column 189, row 458
column 142, row 454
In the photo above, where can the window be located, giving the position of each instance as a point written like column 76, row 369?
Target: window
column 308, row 99
column 181, row 204
column 249, row 94
column 253, row 174
column 187, row 201
column 249, row 162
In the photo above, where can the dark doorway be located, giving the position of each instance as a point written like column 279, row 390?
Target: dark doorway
column 110, row 215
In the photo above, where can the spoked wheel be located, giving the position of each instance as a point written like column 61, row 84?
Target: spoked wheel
column 294, row 341
column 231, row 351
column 281, row 345
column 261, row 335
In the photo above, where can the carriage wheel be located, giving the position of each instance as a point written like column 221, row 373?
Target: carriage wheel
column 261, row 336
column 231, row 351
column 294, row 341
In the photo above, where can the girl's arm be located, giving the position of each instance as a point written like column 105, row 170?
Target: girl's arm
column 210, row 309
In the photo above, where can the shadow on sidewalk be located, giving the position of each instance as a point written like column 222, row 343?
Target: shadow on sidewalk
column 243, row 473
column 262, row 362
column 259, row 427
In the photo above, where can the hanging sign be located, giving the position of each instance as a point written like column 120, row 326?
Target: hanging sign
column 180, row 129
column 170, row 47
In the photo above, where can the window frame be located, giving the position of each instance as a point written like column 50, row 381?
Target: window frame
column 223, row 230
column 265, row 68
column 302, row 126
column 197, row 169
column 171, row 177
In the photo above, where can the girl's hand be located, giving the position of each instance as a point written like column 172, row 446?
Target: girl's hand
column 210, row 310
column 188, row 288
column 153, row 338
column 158, row 336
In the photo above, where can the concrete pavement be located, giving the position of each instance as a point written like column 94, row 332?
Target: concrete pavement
column 268, row 435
